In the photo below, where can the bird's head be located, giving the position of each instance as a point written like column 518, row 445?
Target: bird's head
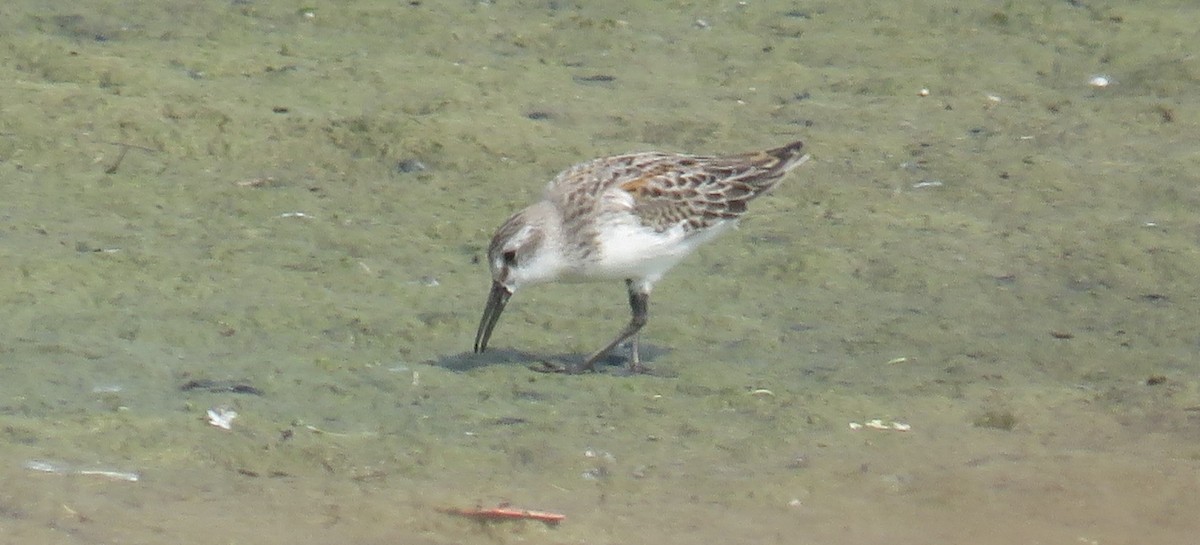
column 525, row 250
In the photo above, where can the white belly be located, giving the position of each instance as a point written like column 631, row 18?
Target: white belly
column 632, row 251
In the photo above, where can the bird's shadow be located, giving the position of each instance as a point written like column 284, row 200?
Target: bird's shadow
column 619, row 359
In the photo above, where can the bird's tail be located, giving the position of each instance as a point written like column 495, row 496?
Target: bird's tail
column 761, row 170
column 778, row 161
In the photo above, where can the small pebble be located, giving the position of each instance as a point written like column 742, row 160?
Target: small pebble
column 1100, row 81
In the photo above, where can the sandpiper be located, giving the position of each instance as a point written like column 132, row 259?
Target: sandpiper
column 629, row 217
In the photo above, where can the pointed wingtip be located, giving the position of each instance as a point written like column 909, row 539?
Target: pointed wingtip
column 788, row 152
column 786, row 157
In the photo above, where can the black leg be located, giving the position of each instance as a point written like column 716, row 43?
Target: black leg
column 639, row 305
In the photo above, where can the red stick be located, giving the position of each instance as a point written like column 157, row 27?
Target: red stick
column 504, row 512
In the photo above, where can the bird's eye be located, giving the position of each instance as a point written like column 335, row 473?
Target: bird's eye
column 510, row 257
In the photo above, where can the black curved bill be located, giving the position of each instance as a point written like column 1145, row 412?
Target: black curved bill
column 491, row 314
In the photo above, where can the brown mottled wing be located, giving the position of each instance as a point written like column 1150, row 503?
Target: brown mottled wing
column 696, row 192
